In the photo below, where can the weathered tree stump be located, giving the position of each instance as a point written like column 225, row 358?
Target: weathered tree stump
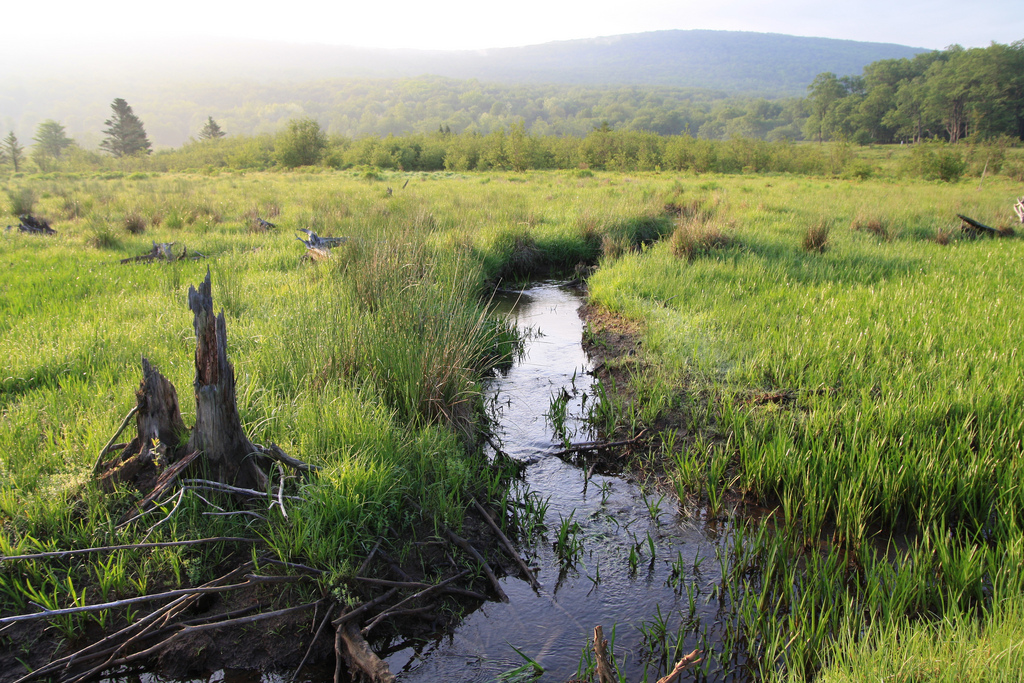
column 218, row 433
column 216, row 442
column 160, row 433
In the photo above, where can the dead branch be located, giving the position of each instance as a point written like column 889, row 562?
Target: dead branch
column 211, row 485
column 681, row 666
column 110, row 444
column 605, row 672
column 430, row 589
column 350, row 644
column 315, row 241
column 1018, row 209
column 472, row 552
column 130, row 546
column 316, row 637
column 365, row 607
column 133, row 631
column 508, row 546
column 274, row 452
column 595, row 446
column 47, row 614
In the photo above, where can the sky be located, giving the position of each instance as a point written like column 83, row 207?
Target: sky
column 461, row 24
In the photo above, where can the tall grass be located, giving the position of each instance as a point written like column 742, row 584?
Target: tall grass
column 866, row 395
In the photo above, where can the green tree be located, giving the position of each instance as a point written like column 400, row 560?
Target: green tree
column 125, row 133
column 51, row 142
column 826, row 90
column 211, row 131
column 301, row 144
column 13, row 151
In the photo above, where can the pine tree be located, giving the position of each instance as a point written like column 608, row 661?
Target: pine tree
column 51, row 141
column 13, row 151
column 211, row 131
column 125, row 133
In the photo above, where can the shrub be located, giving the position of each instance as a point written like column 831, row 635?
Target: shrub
column 23, row 200
column 102, row 235
column 816, row 238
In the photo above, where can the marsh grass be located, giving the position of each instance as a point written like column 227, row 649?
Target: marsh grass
column 815, row 238
column 695, row 237
column 890, row 470
column 367, row 364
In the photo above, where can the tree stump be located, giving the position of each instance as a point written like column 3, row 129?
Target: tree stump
column 217, row 441
column 160, row 433
column 218, row 433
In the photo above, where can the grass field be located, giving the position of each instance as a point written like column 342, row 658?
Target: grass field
column 832, row 350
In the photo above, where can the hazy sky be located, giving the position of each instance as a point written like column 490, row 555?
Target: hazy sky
column 462, row 24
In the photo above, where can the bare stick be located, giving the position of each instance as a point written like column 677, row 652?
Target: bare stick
column 141, row 598
column 292, row 565
column 365, row 607
column 465, row 545
column 369, row 558
column 124, row 423
column 683, row 664
column 596, row 446
column 169, row 515
column 227, row 488
column 309, row 650
column 508, row 545
column 383, row 615
column 605, row 672
column 131, row 546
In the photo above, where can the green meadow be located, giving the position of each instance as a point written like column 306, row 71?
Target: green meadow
column 826, row 363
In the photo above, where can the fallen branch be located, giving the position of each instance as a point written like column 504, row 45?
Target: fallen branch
column 274, row 452
column 316, row 637
column 971, row 225
column 432, row 588
column 315, row 241
column 33, row 225
column 211, row 485
column 508, row 546
column 350, row 645
column 595, row 446
column 681, row 666
column 466, row 546
column 110, row 444
column 365, row 607
column 1018, row 209
column 131, row 546
column 47, row 614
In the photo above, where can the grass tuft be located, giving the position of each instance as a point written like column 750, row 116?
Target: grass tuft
column 22, row 200
column 816, row 238
column 134, row 222
column 694, row 237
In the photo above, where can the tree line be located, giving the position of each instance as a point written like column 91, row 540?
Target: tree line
column 950, row 95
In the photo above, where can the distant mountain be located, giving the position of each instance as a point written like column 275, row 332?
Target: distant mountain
column 190, row 80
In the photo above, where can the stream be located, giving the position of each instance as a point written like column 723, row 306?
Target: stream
column 612, row 577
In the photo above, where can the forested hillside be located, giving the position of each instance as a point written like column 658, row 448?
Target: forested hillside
column 949, row 95
column 666, row 81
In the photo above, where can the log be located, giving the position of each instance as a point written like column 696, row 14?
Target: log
column 350, row 645
column 218, row 434
column 972, row 226
column 36, row 226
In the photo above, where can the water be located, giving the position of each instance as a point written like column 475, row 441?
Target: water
column 616, row 581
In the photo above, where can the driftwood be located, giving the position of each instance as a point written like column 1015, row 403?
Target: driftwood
column 163, row 251
column 605, row 672
column 315, row 241
column 1018, row 209
column 681, row 666
column 595, row 446
column 973, row 227
column 34, row 226
column 352, row 648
